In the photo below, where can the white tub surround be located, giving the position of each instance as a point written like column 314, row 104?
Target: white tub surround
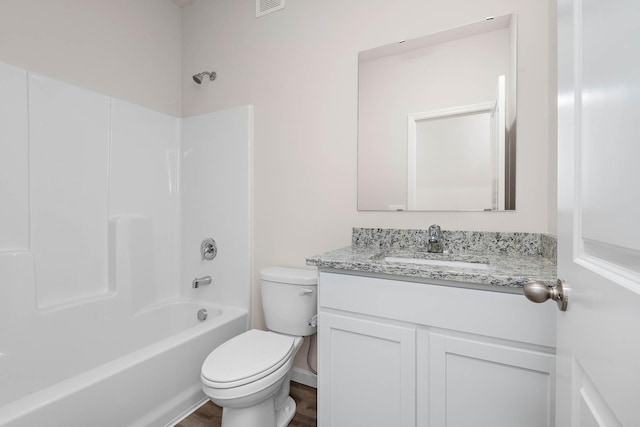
column 216, row 192
column 101, row 207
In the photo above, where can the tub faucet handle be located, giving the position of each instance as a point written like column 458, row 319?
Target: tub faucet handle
column 208, row 249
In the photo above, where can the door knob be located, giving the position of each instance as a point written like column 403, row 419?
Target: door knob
column 539, row 292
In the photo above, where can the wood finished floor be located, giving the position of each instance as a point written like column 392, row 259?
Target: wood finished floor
column 209, row 415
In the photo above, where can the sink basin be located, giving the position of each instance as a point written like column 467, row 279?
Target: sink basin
column 438, row 262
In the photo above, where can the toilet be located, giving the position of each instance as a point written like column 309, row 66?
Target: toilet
column 249, row 375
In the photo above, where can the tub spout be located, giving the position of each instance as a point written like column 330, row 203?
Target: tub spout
column 201, row 281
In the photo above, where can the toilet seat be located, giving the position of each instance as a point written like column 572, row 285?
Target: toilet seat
column 246, row 358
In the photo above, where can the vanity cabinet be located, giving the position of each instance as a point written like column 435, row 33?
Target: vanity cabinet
column 404, row 354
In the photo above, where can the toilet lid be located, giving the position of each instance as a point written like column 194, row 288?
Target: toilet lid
column 247, row 357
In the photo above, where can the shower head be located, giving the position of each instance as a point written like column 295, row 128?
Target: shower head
column 198, row 78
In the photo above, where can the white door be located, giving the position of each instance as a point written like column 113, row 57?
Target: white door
column 598, row 371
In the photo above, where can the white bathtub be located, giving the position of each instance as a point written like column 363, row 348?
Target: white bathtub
column 143, row 371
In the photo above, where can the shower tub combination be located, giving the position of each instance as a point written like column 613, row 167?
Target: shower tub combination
column 103, row 212
column 153, row 382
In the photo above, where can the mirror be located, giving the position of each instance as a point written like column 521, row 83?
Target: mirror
column 437, row 121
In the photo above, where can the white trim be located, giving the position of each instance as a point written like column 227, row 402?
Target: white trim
column 411, row 141
column 305, row 377
column 500, row 118
column 453, row 111
column 188, row 412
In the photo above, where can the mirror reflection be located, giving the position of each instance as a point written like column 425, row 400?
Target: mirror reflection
column 436, row 121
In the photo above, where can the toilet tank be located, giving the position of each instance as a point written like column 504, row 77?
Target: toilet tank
column 289, row 299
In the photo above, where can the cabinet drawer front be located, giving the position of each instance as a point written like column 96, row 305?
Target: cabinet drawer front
column 496, row 314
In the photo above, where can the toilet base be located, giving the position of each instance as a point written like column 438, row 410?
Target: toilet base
column 261, row 415
column 286, row 413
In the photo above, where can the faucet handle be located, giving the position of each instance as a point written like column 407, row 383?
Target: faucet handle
column 435, row 239
column 208, row 249
column 435, row 231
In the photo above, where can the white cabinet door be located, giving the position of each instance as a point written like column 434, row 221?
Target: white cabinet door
column 368, row 373
column 475, row 383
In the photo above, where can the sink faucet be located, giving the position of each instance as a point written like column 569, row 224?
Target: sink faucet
column 435, row 239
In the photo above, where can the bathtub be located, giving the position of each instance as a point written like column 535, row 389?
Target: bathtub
column 139, row 370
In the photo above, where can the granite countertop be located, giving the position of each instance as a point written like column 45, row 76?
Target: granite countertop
column 504, row 270
column 507, row 269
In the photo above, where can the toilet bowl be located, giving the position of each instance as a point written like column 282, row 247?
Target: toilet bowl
column 249, row 375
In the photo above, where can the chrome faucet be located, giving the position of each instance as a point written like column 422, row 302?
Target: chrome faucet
column 201, row 281
column 435, row 239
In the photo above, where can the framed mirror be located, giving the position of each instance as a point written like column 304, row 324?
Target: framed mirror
column 437, row 121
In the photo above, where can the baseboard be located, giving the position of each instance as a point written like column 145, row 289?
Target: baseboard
column 188, row 412
column 305, row 377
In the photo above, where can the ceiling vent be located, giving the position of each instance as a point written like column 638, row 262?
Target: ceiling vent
column 267, row 6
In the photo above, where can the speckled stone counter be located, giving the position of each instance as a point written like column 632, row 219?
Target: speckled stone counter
column 513, row 258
